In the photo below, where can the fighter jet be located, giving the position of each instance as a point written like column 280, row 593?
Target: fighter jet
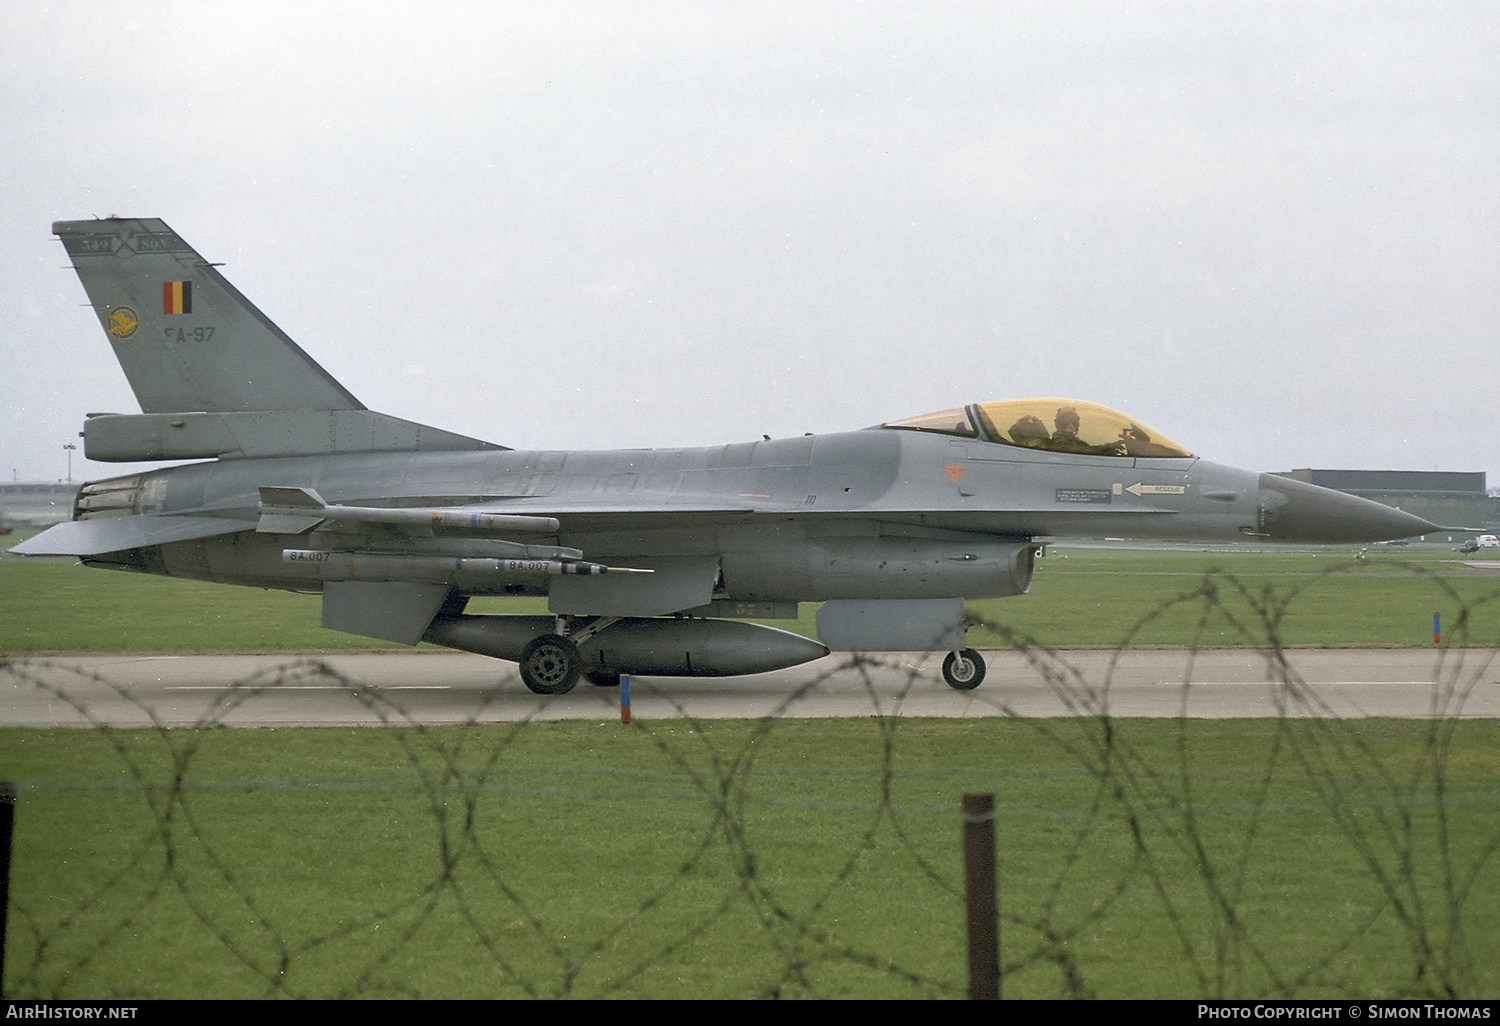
column 651, row 560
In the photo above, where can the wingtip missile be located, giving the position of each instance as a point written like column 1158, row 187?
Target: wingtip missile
column 387, row 566
column 297, row 510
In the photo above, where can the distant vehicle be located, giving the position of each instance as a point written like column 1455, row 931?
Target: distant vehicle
column 648, row 558
column 1484, row 541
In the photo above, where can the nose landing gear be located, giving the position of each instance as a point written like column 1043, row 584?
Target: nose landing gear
column 964, row 671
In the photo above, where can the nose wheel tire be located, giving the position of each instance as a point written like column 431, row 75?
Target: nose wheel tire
column 549, row 665
column 964, row 671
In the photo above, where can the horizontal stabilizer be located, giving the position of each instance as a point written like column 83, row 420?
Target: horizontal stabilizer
column 116, row 534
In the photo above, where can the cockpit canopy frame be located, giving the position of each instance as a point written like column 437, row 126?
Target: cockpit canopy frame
column 1049, row 424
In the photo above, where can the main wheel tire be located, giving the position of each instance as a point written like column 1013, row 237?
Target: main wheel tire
column 603, row 678
column 549, row 665
column 964, row 671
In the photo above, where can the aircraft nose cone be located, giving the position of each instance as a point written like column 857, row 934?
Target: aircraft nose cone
column 1297, row 511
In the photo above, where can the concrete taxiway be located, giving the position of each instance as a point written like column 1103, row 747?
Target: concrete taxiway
column 426, row 687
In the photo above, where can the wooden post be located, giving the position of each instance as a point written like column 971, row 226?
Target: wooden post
column 980, row 897
column 7, row 828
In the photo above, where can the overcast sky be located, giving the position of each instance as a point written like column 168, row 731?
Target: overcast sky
column 1269, row 230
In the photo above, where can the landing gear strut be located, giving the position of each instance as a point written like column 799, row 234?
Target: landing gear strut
column 964, row 671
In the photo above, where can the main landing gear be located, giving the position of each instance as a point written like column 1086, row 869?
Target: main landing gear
column 550, row 664
column 964, row 671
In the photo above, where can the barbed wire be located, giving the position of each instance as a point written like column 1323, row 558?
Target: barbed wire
column 1154, row 834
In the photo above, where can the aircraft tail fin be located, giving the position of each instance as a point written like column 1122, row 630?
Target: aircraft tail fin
column 187, row 340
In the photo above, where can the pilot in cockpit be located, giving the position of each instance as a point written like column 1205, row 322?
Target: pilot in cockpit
column 1080, row 428
column 1065, row 437
column 1030, row 432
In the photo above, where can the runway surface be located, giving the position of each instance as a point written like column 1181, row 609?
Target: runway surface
column 448, row 687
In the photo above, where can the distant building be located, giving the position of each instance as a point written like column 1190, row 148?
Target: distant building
column 36, row 505
column 1448, row 498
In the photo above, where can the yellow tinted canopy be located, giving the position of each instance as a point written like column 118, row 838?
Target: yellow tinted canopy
column 1057, row 425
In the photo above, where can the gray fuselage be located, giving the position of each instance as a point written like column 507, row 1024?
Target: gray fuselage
column 877, row 513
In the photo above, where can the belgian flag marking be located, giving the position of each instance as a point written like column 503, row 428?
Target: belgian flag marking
column 176, row 297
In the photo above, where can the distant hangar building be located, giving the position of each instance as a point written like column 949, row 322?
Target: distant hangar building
column 36, row 505
column 1457, row 498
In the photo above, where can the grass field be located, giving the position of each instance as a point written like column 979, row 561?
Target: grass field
column 792, row 858
column 736, row 859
